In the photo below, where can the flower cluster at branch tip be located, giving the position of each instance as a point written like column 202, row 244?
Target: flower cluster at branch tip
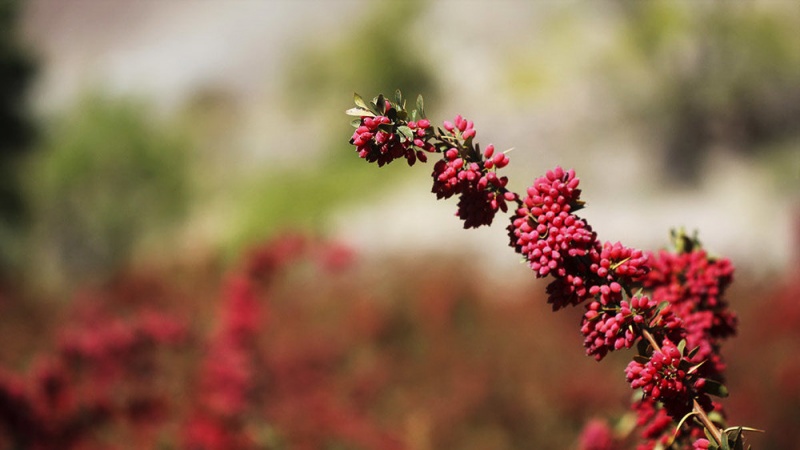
column 685, row 287
column 385, row 132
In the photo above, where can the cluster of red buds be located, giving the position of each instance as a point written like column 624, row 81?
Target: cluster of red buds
column 386, row 131
column 677, row 326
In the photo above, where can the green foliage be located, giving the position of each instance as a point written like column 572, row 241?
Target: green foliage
column 17, row 69
column 106, row 177
column 303, row 198
column 715, row 74
column 377, row 55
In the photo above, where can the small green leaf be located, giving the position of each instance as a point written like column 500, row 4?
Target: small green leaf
column 715, row 416
column 641, row 347
column 391, row 114
column 420, row 106
column 692, row 352
column 405, row 132
column 398, row 98
column 678, row 428
column 360, row 101
column 715, row 388
column 661, row 307
column 641, row 359
column 682, row 346
column 694, row 368
column 724, row 445
column 734, row 437
column 709, row 436
column 380, row 104
column 359, row 112
column 355, row 123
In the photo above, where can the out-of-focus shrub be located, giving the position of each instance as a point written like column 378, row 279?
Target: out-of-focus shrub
column 380, row 57
column 108, row 175
column 302, row 347
column 702, row 75
column 16, row 132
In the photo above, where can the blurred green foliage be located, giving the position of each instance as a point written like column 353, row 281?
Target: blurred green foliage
column 377, row 54
column 716, row 75
column 304, row 199
column 107, row 176
column 17, row 69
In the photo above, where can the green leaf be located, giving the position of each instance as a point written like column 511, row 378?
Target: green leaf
column 360, row 101
column 405, row 132
column 398, row 98
column 678, row 428
column 734, row 436
column 380, row 104
column 355, row 123
column 692, row 352
column 715, row 388
column 359, row 112
column 641, row 347
column 392, row 115
column 694, row 368
column 661, row 307
column 715, row 416
column 724, row 445
column 420, row 106
column 710, row 437
column 682, row 346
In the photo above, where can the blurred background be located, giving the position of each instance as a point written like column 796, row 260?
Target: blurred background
column 165, row 140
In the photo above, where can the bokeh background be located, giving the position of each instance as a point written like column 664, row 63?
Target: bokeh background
column 147, row 148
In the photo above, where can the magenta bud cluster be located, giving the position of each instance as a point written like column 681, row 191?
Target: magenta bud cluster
column 481, row 192
column 382, row 138
column 384, row 133
column 667, row 378
column 607, row 329
column 545, row 231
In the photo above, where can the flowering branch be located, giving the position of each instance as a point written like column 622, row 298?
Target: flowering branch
column 669, row 305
